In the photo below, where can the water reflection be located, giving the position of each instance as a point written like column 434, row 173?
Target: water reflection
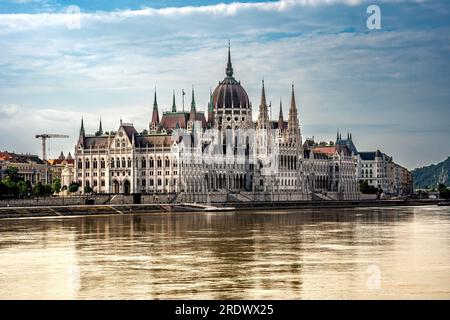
column 249, row 255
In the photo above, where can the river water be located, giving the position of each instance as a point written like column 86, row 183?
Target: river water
column 374, row 253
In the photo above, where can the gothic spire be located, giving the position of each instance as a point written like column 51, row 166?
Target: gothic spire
column 263, row 117
column 155, row 113
column 210, row 109
column 82, row 128
column 263, row 95
column 82, row 133
column 293, row 123
column 192, row 116
column 229, row 70
column 174, row 106
column 100, row 129
column 280, row 117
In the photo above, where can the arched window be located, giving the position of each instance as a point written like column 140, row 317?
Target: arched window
column 94, row 163
column 143, row 163
column 87, row 164
column 129, row 162
column 123, row 162
column 112, row 163
column 80, row 164
column 151, row 163
column 159, row 162
column 102, row 163
column 118, row 162
column 167, row 162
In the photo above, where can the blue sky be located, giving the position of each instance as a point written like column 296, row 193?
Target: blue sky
column 389, row 87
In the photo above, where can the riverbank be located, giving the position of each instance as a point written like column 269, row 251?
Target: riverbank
column 122, row 209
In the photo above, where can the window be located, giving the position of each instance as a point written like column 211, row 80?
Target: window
column 159, row 182
column 87, row 164
column 151, row 182
column 167, row 163
column 143, row 163
column 123, row 162
column 102, row 163
column 80, row 164
column 94, row 164
column 95, row 182
column 103, row 183
column 118, row 162
column 129, row 162
column 112, row 163
column 159, row 162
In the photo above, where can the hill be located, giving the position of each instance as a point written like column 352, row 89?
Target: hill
column 432, row 175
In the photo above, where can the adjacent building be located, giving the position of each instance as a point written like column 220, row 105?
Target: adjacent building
column 30, row 167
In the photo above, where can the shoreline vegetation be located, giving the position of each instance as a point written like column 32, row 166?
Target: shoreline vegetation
column 130, row 209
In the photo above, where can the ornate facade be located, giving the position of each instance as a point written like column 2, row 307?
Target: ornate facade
column 226, row 155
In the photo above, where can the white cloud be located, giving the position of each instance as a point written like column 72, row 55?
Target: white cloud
column 8, row 110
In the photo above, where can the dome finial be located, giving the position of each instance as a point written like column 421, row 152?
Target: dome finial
column 229, row 70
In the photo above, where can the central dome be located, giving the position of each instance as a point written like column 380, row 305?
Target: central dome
column 229, row 94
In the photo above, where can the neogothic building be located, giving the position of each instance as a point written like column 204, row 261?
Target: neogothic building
column 226, row 155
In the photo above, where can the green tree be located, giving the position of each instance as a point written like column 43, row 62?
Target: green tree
column 11, row 186
column 56, row 185
column 87, row 189
column 73, row 187
column 24, row 187
column 3, row 189
column 13, row 173
column 444, row 192
column 364, row 187
column 39, row 189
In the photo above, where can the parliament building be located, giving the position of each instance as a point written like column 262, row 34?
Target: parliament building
column 223, row 155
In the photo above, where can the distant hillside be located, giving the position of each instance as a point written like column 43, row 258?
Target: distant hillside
column 431, row 175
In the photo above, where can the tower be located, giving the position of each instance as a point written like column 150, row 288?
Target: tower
column 263, row 116
column 280, row 118
column 174, row 106
column 293, row 130
column 82, row 133
column 155, row 115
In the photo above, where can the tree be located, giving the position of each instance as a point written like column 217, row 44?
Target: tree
column 87, row 189
column 24, row 188
column 11, row 186
column 13, row 174
column 444, row 192
column 56, row 186
column 73, row 187
column 364, row 187
column 3, row 189
column 48, row 190
column 39, row 189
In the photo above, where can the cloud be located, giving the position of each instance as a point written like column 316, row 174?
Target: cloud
column 24, row 21
column 8, row 111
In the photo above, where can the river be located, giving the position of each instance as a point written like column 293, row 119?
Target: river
column 360, row 253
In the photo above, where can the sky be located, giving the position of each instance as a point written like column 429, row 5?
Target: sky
column 63, row 60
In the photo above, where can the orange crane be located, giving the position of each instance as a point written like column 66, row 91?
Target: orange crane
column 44, row 137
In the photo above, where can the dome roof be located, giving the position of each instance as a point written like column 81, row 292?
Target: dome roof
column 229, row 94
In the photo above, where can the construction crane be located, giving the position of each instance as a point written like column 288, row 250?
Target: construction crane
column 44, row 137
